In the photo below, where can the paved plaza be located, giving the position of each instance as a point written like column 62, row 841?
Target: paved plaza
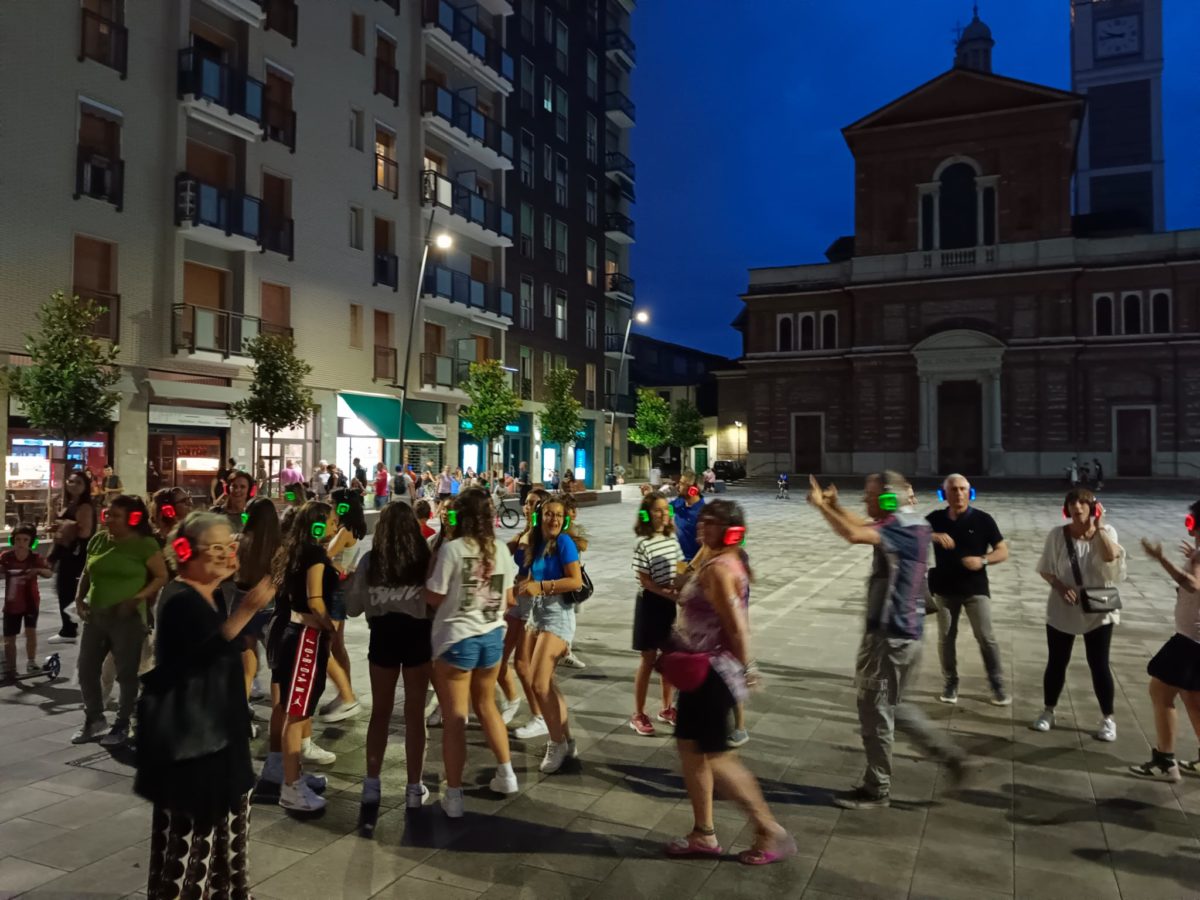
column 1040, row 816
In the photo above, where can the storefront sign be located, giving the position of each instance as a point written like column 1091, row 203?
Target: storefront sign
column 438, row 431
column 47, row 442
column 182, row 415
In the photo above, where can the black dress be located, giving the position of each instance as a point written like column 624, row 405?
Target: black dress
column 209, row 787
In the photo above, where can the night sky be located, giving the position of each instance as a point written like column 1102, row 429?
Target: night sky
column 740, row 107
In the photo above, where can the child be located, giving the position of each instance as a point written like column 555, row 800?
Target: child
column 654, row 560
column 424, row 513
column 22, row 568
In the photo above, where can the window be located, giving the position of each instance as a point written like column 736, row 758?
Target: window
column 358, row 33
column 927, row 220
column 527, row 231
column 356, row 326
column 98, row 168
column 526, row 370
column 528, row 18
column 528, row 149
column 1131, row 313
column 561, row 44
column 593, row 274
column 387, row 171
column 1160, row 313
column 829, row 331
column 547, row 300
column 275, row 306
column 785, row 334
column 808, row 338
column 1102, row 315
column 610, row 382
column 590, row 386
column 560, row 113
column 279, row 118
column 547, row 94
column 548, row 24
column 592, row 142
column 94, row 277
column 527, row 81
column 560, row 246
column 560, row 179
column 527, row 303
column 356, row 128
column 548, row 231
column 356, row 227
column 957, row 211
column 590, row 202
column 593, row 76
column 103, row 37
column 589, row 328
column 560, row 362
column 547, row 162
column 989, row 215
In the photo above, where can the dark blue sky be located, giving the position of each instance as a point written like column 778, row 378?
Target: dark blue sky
column 740, row 107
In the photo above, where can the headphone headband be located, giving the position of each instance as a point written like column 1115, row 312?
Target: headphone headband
column 33, row 540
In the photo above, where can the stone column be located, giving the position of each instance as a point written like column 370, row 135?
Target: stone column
column 924, row 426
column 996, row 442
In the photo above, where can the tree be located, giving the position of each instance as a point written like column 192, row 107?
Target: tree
column 652, row 428
column 494, row 403
column 687, row 427
column 560, row 419
column 278, row 398
column 67, row 389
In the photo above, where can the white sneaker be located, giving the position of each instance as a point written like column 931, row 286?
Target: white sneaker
column 504, row 784
column 452, row 803
column 556, row 755
column 61, row 639
column 572, row 750
column 435, row 718
column 299, row 797
column 1044, row 721
column 415, row 796
column 1107, row 730
column 572, row 661
column 338, row 710
column 311, row 753
column 535, row 727
column 508, row 709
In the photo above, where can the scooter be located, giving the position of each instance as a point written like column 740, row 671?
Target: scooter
column 51, row 667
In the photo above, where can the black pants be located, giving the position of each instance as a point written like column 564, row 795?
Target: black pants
column 1096, row 643
column 66, row 582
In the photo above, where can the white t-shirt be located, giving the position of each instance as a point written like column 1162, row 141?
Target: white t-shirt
column 475, row 599
column 1067, row 617
column 655, row 556
column 378, row 600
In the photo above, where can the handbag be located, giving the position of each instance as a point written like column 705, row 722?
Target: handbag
column 182, row 712
column 1096, row 599
column 585, row 589
column 687, row 671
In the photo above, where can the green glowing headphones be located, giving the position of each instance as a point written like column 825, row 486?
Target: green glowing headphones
column 643, row 515
column 245, row 517
column 289, row 496
column 318, row 530
column 33, row 541
column 343, row 508
column 452, row 518
column 889, row 501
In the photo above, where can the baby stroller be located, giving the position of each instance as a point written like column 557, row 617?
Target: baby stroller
column 782, row 493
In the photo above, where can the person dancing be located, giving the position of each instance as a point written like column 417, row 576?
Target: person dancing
column 654, row 560
column 515, row 644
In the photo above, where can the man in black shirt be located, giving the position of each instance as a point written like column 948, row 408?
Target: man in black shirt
column 966, row 541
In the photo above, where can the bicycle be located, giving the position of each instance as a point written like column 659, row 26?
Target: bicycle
column 509, row 517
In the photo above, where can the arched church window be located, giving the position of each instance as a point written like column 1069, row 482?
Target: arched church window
column 1104, row 315
column 1160, row 313
column 829, row 331
column 1131, row 313
column 807, row 333
column 958, row 207
column 785, row 334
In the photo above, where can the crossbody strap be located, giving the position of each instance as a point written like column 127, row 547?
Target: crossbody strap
column 1072, row 556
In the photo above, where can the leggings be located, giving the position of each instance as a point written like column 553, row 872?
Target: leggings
column 1096, row 643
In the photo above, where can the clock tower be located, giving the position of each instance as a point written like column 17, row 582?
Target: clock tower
column 1117, row 62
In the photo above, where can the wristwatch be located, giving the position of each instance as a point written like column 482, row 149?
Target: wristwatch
column 983, row 562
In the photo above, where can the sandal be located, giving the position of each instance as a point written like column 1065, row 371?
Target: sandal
column 782, row 850
column 689, row 845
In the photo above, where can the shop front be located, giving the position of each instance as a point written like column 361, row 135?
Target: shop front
column 185, row 448
column 33, row 460
column 430, row 417
column 518, row 443
column 369, row 428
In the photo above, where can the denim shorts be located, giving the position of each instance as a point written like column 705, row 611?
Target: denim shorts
column 520, row 612
column 479, row 652
column 553, row 614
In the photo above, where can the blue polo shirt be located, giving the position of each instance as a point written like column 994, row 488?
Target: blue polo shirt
column 685, row 525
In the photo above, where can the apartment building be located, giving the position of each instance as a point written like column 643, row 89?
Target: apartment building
column 571, row 193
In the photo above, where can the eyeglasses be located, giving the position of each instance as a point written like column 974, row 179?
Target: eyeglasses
column 227, row 549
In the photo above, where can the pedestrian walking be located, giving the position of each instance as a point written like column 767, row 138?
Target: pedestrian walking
column 517, row 646
column 382, row 485
column 75, row 525
column 112, row 484
column 360, row 471
column 966, row 541
column 524, row 481
column 655, row 560
column 890, row 651
column 1084, row 553
column 349, row 529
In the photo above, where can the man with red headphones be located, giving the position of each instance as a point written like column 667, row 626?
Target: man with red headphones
column 687, row 508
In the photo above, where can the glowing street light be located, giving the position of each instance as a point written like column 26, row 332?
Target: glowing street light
column 642, row 318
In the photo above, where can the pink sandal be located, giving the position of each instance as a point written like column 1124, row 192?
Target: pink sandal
column 782, row 850
column 689, row 845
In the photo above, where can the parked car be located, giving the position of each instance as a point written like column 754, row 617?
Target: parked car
column 729, row 469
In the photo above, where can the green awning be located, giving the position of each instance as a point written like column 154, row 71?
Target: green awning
column 382, row 415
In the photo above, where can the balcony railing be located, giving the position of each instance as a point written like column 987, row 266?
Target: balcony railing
column 620, row 43
column 103, row 40
column 387, row 80
column 231, row 211
column 444, row 371
column 459, row 287
column 385, row 364
column 100, row 177
column 387, row 270
column 619, row 403
column 589, row 399
column 616, row 283
column 279, row 124
column 201, row 328
column 213, row 80
column 393, row 5
column 283, row 16
column 438, row 190
column 614, row 341
column 463, row 31
column 619, row 163
column 387, row 174
column 278, row 233
column 438, row 101
column 526, row 388
column 958, row 259
column 105, row 327
column 618, row 223
column 616, row 102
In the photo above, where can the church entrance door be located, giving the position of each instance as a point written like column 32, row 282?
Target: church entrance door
column 960, row 427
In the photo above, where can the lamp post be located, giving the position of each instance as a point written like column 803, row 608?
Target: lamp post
column 443, row 242
column 642, row 317
column 738, row 426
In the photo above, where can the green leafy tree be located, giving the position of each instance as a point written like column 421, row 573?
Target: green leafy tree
column 560, row 420
column 652, row 428
column 687, row 426
column 67, row 389
column 278, row 398
column 494, row 403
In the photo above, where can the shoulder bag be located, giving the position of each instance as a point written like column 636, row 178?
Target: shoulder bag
column 181, row 712
column 1095, row 599
column 585, row 589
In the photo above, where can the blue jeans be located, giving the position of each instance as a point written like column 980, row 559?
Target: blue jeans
column 380, row 501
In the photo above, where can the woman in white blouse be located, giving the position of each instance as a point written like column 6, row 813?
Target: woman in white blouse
column 1102, row 564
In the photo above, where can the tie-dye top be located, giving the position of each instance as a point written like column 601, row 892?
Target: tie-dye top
column 699, row 629
column 896, row 588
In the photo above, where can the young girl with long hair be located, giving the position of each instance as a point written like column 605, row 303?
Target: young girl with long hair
column 654, row 561
column 515, row 644
column 552, row 561
column 76, row 523
column 470, row 586
column 388, row 586
column 258, row 544
column 351, row 528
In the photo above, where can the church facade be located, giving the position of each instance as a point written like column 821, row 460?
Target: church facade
column 973, row 323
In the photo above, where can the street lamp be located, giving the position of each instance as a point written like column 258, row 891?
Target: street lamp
column 642, row 318
column 738, row 426
column 442, row 241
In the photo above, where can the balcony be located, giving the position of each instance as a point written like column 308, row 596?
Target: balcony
column 966, row 258
column 459, row 293
column 620, row 48
column 105, row 327
column 618, row 228
column 99, row 177
column 218, row 95
column 103, row 40
column 387, row 174
column 279, row 124
column 456, row 120
column 278, row 234
column 526, row 388
column 476, row 51
column 614, row 342
column 283, row 17
column 619, row 108
column 201, row 329
column 621, row 404
column 249, row 11
column 465, row 211
column 385, row 364
column 618, row 287
column 445, row 372
column 619, row 167
column 387, row 270
column 387, row 81
column 219, row 217
column 589, row 399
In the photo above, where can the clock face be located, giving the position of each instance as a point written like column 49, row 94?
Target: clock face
column 1118, row 36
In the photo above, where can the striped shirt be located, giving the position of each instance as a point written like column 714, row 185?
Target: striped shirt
column 896, row 588
column 656, row 557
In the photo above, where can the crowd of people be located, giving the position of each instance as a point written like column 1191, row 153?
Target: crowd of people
column 196, row 601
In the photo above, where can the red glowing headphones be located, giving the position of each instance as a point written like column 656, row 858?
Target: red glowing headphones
column 693, row 491
column 167, row 511
column 183, row 547
column 1096, row 505
column 734, row 534
column 134, row 518
column 1189, row 522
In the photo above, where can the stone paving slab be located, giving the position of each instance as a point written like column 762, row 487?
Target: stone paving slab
column 1041, row 816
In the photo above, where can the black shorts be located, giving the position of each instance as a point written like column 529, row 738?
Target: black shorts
column 400, row 640
column 1176, row 664
column 12, row 622
column 705, row 715
column 444, row 497
column 301, row 662
column 653, row 619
